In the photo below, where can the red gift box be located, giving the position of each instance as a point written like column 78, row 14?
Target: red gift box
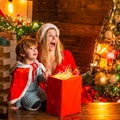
column 64, row 96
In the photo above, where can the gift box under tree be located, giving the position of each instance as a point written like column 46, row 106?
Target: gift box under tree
column 64, row 96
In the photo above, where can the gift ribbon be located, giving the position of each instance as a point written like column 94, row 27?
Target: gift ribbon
column 34, row 72
column 88, row 94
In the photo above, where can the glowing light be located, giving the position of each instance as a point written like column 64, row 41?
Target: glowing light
column 94, row 64
column 102, row 48
column 10, row 7
column 103, row 79
column 23, row 1
column 103, row 63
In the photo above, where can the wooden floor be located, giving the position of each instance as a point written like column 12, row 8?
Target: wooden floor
column 91, row 111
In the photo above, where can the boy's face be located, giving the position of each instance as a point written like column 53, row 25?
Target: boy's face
column 31, row 52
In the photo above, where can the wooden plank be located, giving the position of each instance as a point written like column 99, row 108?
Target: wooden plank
column 71, row 29
column 5, row 49
column 5, row 67
column 4, row 61
column 3, row 97
column 7, row 59
column 6, row 55
column 4, row 85
column 7, row 79
column 3, row 109
column 12, row 52
column 89, row 111
column 12, row 44
column 4, row 73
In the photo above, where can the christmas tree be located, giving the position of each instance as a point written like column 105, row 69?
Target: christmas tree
column 104, row 73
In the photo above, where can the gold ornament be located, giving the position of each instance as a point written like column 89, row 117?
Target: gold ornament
column 118, row 85
column 117, row 18
column 103, row 63
column 101, row 79
column 112, row 78
column 108, row 34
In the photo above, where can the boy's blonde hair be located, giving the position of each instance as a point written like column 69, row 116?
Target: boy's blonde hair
column 22, row 46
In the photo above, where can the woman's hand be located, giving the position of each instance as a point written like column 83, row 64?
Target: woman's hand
column 76, row 71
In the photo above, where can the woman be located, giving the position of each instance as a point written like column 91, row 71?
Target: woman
column 51, row 52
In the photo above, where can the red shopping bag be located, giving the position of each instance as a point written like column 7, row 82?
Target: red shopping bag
column 64, row 96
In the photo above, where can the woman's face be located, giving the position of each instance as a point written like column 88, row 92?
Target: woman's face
column 52, row 39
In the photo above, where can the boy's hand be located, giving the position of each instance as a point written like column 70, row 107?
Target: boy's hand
column 14, row 108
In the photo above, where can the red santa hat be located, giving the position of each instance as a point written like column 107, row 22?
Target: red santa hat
column 43, row 29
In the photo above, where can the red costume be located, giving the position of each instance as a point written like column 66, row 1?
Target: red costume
column 67, row 62
column 21, row 78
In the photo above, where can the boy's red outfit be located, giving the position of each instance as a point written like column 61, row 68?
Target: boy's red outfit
column 21, row 80
column 68, row 61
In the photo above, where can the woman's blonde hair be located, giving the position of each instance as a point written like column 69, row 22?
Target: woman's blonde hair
column 44, row 56
column 22, row 45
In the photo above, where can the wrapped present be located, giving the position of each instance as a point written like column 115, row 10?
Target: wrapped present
column 64, row 94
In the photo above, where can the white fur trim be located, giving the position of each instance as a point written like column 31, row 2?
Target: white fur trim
column 26, row 87
column 46, row 27
column 41, row 65
column 21, row 65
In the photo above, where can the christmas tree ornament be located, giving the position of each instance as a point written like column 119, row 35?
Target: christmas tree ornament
column 118, row 67
column 101, row 48
column 106, row 73
column 118, row 77
column 117, row 18
column 113, row 78
column 108, row 34
column 118, row 85
column 103, row 63
column 101, row 79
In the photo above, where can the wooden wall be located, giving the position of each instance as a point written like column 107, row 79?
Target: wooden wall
column 7, row 60
column 79, row 22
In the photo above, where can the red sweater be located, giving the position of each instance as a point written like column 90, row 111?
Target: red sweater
column 68, row 61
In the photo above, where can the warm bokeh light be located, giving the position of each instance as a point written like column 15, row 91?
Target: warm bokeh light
column 102, row 48
column 10, row 7
column 23, row 1
column 22, row 7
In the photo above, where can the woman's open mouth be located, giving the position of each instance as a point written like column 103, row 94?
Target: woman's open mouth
column 52, row 43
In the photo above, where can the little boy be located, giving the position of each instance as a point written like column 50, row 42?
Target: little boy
column 26, row 75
